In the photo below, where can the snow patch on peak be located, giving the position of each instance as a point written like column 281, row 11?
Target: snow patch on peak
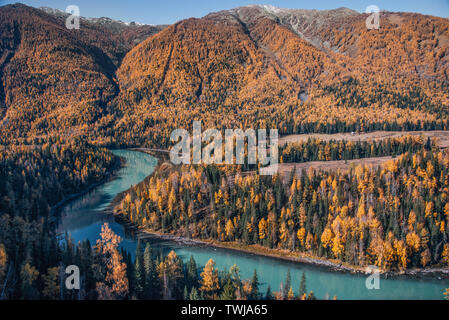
column 52, row 11
column 101, row 20
column 271, row 8
column 266, row 7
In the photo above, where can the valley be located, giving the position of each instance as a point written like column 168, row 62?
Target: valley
column 363, row 177
column 325, row 277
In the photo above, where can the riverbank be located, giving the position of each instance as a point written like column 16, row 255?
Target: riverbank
column 286, row 255
column 159, row 155
column 282, row 254
column 110, row 174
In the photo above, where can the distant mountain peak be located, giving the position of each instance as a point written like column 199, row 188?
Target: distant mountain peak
column 270, row 8
column 306, row 23
column 277, row 10
column 101, row 20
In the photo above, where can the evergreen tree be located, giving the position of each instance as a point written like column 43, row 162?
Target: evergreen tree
column 139, row 272
column 194, row 294
column 255, row 286
column 269, row 294
column 152, row 285
column 192, row 273
column 288, row 284
column 302, row 285
column 228, row 291
column 186, row 293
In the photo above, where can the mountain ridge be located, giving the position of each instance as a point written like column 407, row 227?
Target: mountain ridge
column 244, row 67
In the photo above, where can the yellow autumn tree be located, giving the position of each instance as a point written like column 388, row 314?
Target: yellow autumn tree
column 115, row 285
column 425, row 257
column 209, row 276
column 445, row 254
column 301, row 234
column 413, row 241
column 401, row 252
column 263, row 227
column 3, row 261
column 229, row 230
column 326, row 237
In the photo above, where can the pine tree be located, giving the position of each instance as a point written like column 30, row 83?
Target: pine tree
column 228, row 291
column 51, row 284
column 269, row 294
column 28, row 276
column 152, row 285
column 192, row 273
column 291, row 294
column 255, row 286
column 139, row 272
column 302, row 285
column 288, row 284
column 194, row 294
column 186, row 293
column 115, row 285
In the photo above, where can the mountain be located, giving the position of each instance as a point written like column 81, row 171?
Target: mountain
column 104, row 21
column 254, row 66
column 250, row 66
column 55, row 79
column 305, row 23
column 131, row 32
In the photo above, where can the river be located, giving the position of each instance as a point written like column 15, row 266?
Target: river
column 83, row 217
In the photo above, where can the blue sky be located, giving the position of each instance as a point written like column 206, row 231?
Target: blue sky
column 170, row 11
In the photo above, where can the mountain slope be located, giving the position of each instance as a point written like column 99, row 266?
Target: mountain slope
column 125, row 35
column 256, row 66
column 51, row 79
column 250, row 66
column 55, row 79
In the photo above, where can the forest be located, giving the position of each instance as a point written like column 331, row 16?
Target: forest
column 394, row 216
column 318, row 150
column 110, row 273
column 124, row 91
column 67, row 97
column 35, row 177
column 33, row 180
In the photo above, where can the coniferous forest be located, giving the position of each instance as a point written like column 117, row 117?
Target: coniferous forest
column 69, row 97
column 394, row 216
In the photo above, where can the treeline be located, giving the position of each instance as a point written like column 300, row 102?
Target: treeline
column 165, row 86
column 210, row 70
column 110, row 273
column 153, row 127
column 319, row 150
column 33, row 179
column 168, row 277
column 394, row 216
column 405, row 95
